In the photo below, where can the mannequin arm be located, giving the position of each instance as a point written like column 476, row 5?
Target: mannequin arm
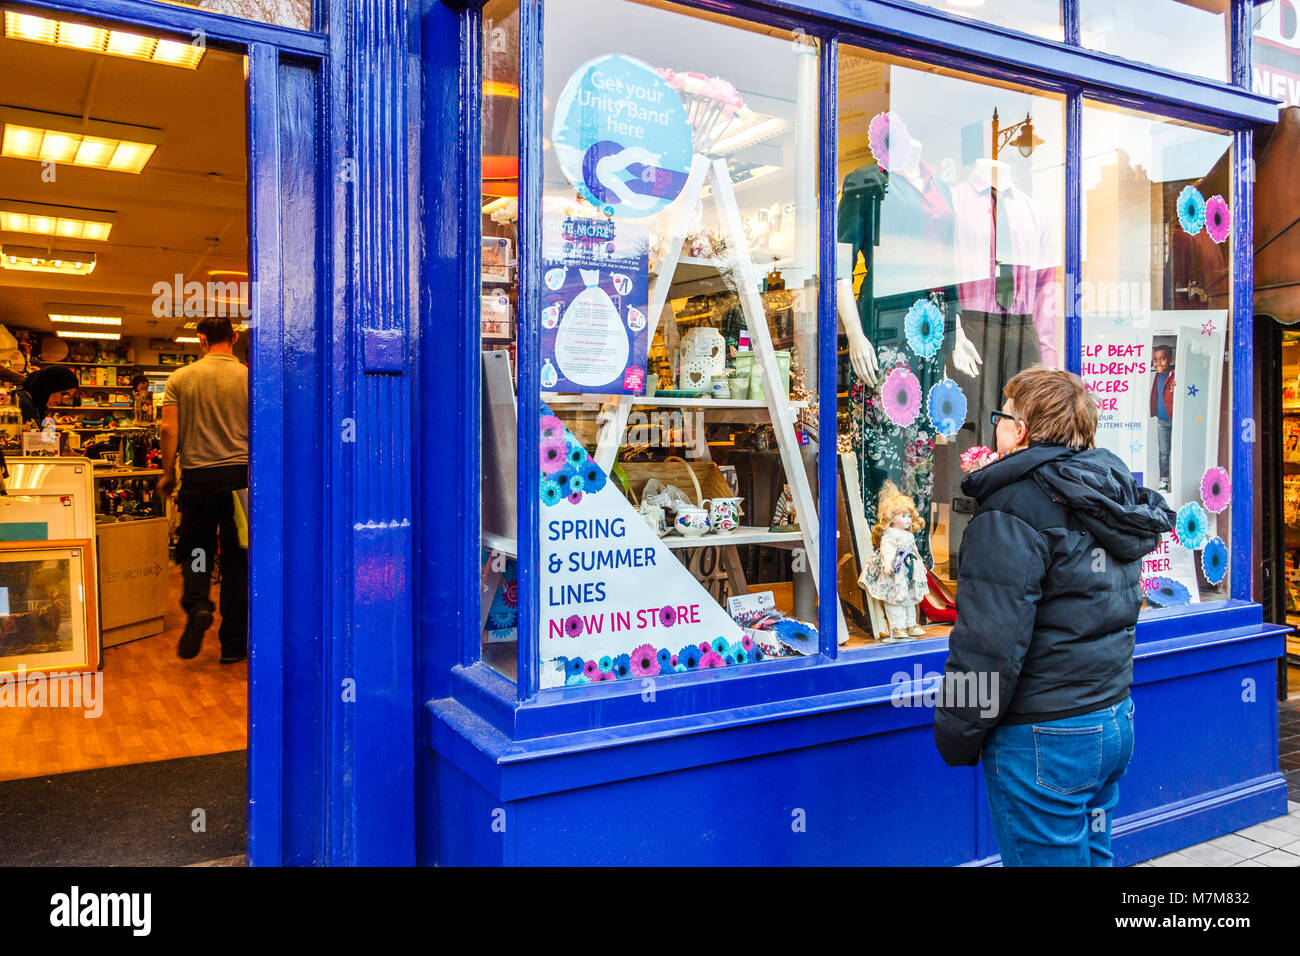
column 862, row 354
column 964, row 356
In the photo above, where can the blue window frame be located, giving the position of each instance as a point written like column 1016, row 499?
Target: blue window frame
column 900, row 28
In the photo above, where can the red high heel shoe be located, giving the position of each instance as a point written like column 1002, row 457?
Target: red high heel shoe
column 939, row 606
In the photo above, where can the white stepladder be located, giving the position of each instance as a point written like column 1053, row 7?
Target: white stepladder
column 746, row 282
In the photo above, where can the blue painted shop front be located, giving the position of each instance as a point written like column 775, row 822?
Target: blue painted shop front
column 809, row 759
column 377, row 734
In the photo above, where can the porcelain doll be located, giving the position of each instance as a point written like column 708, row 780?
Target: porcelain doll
column 895, row 575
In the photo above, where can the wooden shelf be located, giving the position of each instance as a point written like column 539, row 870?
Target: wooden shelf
column 553, row 399
column 129, row 473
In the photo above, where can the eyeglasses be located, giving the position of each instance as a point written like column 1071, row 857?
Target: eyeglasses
column 994, row 416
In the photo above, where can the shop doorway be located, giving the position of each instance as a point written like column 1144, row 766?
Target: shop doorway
column 1277, row 350
column 124, row 225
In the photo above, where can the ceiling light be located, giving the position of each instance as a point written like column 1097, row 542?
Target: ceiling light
column 52, row 137
column 92, row 39
column 186, row 339
column 83, row 314
column 30, row 259
column 65, row 222
column 82, row 334
column 749, row 135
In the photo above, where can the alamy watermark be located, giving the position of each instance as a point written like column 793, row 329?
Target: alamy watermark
column 960, row 689
column 74, row 691
column 194, row 299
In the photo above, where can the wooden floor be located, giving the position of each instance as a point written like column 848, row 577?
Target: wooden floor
column 155, row 707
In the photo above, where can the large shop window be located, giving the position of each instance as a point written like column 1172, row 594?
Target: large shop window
column 678, row 345
column 1189, row 36
column 1155, row 305
column 950, row 219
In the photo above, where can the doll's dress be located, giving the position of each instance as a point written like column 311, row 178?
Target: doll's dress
column 895, row 574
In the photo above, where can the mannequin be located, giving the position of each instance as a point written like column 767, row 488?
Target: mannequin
column 901, row 224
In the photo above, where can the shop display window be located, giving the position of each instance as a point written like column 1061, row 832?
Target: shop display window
column 950, row 221
column 1155, row 310
column 285, row 13
column 1188, row 36
column 1040, row 18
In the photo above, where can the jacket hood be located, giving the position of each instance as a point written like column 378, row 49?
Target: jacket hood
column 1094, row 484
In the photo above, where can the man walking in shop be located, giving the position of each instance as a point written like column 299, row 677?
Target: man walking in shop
column 205, row 420
column 1162, row 405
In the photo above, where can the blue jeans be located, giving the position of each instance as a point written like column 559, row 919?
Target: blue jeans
column 1052, row 786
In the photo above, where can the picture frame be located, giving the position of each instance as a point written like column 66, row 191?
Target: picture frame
column 49, row 621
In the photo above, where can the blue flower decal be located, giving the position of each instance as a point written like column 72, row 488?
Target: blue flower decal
column 1191, row 210
column 797, row 635
column 605, row 664
column 550, row 492
column 1192, row 526
column 1214, row 560
column 720, row 644
column 923, row 326
column 574, row 665
column 1166, row 592
column 562, row 479
column 689, row 657
column 623, row 666
column 593, row 477
column 577, row 454
column 947, row 406
column 665, row 658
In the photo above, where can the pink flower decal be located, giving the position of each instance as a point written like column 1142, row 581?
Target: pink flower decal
column 901, row 396
column 575, row 497
column 889, row 139
column 645, row 661
column 510, row 594
column 551, row 427
column 1216, row 489
column 555, row 453
column 590, row 670
column 1218, row 218
column 573, row 625
column 667, row 615
column 747, row 642
column 712, row 659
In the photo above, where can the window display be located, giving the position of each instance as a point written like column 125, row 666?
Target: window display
column 678, row 346
column 949, row 222
column 1155, row 314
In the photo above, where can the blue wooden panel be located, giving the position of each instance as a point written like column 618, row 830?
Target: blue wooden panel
column 1242, row 423
column 827, row 348
column 266, row 457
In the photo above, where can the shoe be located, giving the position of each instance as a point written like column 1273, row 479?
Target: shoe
column 899, row 634
column 233, row 658
column 192, row 637
column 916, row 630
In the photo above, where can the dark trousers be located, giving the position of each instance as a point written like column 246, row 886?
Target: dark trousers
column 207, row 506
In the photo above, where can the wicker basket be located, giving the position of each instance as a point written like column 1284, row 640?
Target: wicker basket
column 702, row 476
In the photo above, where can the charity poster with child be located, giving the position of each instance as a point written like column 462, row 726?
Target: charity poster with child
column 615, row 601
column 1124, row 362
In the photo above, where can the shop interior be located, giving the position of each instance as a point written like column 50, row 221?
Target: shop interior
column 123, row 220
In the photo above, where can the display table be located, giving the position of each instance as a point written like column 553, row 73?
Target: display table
column 132, row 578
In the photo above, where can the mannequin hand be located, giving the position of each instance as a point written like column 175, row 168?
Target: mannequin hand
column 862, row 355
column 964, row 357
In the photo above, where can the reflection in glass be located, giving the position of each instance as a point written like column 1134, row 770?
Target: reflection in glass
column 1036, row 17
column 284, row 13
column 1154, row 305
column 950, row 224
column 1190, row 36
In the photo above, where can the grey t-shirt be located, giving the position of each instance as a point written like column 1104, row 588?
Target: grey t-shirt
column 211, row 399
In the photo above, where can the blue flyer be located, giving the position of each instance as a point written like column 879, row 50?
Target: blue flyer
column 595, row 293
column 622, row 137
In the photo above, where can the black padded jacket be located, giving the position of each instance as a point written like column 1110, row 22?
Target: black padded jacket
column 1048, row 592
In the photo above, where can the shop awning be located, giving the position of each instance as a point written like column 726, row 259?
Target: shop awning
column 1277, row 221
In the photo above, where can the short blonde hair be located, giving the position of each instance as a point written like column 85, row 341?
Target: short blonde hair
column 1055, row 405
column 892, row 504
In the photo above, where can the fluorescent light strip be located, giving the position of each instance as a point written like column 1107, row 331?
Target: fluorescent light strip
column 75, row 149
column 86, row 319
column 42, row 220
column 80, row 334
column 92, row 39
column 186, row 339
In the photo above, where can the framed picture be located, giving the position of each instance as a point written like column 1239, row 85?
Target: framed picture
column 48, row 620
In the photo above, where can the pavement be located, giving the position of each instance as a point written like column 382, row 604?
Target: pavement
column 1271, row 843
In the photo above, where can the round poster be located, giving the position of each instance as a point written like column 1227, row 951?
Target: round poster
column 621, row 137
